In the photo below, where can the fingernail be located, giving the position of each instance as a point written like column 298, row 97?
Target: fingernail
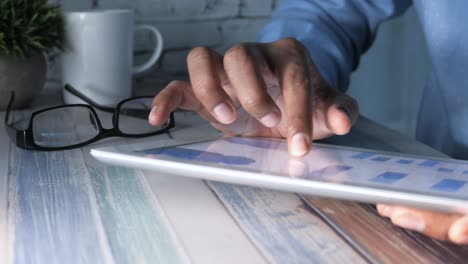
column 386, row 210
column 153, row 111
column 223, row 113
column 271, row 119
column 411, row 222
column 346, row 112
column 459, row 232
column 299, row 145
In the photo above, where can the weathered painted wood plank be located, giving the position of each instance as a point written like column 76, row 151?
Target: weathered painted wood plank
column 136, row 226
column 4, row 173
column 377, row 236
column 388, row 243
column 53, row 210
column 283, row 227
column 200, row 220
column 207, row 231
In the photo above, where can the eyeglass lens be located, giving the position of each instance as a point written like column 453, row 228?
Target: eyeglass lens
column 65, row 126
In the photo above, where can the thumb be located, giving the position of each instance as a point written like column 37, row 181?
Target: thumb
column 342, row 114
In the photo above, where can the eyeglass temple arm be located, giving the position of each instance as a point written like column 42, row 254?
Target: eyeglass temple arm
column 139, row 113
column 17, row 136
column 11, row 131
column 171, row 121
column 12, row 134
column 83, row 97
column 134, row 112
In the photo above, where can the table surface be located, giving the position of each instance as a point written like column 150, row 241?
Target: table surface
column 65, row 207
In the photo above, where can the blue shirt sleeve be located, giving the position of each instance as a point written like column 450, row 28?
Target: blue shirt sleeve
column 336, row 32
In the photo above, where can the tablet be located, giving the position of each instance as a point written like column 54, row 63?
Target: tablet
column 327, row 171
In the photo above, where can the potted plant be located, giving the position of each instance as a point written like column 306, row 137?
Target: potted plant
column 28, row 30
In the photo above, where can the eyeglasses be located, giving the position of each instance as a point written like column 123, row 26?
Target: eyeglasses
column 75, row 125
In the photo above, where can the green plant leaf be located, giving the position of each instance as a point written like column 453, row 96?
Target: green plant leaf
column 30, row 26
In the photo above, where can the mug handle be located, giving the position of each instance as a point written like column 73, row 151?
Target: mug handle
column 157, row 49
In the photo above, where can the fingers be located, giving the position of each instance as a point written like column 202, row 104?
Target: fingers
column 342, row 114
column 334, row 112
column 442, row 226
column 204, row 68
column 177, row 94
column 458, row 232
column 241, row 66
column 292, row 68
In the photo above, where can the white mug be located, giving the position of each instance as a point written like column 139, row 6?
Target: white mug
column 98, row 58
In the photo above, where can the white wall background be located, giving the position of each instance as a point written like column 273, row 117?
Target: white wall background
column 387, row 85
column 184, row 24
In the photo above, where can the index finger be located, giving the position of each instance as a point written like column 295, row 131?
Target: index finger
column 290, row 61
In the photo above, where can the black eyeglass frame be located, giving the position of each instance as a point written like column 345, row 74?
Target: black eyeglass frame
column 25, row 138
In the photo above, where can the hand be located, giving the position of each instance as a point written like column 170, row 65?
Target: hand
column 270, row 90
column 442, row 226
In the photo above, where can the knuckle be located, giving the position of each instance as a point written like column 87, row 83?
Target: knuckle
column 175, row 84
column 203, row 89
column 297, row 76
column 255, row 104
column 286, row 41
column 239, row 51
column 198, row 53
column 208, row 92
column 300, row 83
column 298, row 122
column 292, row 45
column 175, row 87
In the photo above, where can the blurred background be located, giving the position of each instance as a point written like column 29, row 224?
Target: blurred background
column 388, row 83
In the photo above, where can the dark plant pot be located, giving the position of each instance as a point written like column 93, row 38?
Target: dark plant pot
column 26, row 77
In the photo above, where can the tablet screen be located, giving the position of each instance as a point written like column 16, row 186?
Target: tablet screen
column 444, row 178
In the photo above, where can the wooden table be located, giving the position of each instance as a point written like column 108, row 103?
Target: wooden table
column 65, row 207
